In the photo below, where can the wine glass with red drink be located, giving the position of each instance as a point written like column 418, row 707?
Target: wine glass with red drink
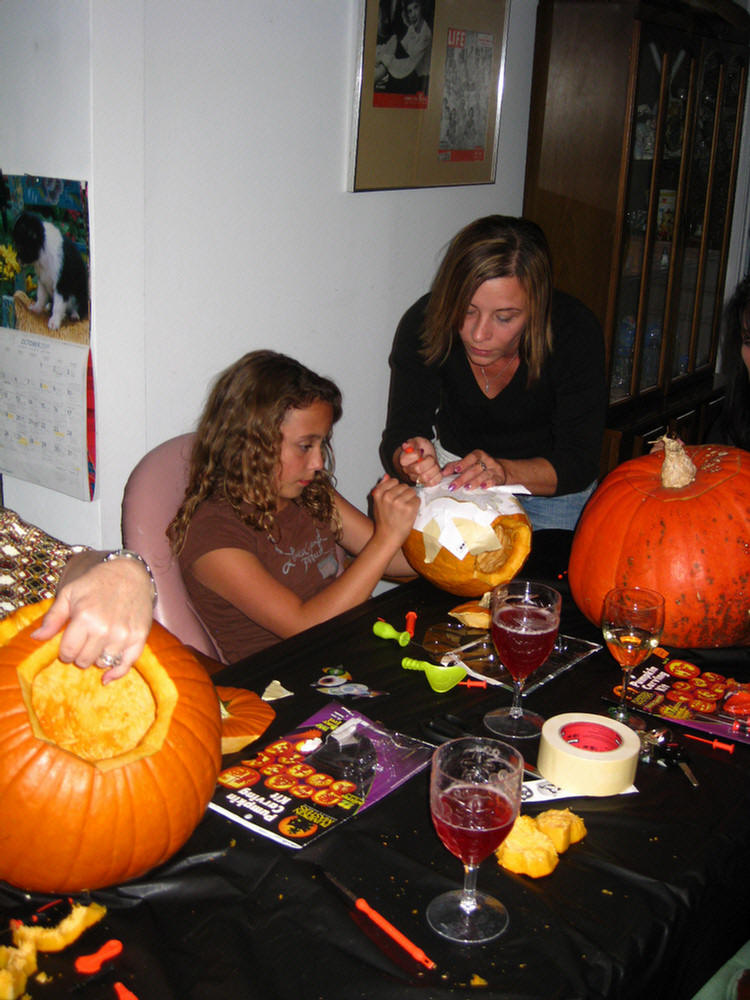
column 475, row 795
column 525, row 618
column 632, row 623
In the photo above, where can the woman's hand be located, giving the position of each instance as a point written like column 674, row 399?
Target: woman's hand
column 418, row 463
column 477, row 470
column 108, row 609
column 395, row 505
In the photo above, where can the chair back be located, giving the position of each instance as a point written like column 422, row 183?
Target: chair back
column 153, row 493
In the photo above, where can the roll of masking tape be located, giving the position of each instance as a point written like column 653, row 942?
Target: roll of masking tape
column 588, row 754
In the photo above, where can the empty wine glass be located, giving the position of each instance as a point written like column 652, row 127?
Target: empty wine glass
column 525, row 618
column 475, row 795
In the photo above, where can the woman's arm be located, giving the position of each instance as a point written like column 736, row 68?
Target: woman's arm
column 414, row 391
column 105, row 607
column 240, row 578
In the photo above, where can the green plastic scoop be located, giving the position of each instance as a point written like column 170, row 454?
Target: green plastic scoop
column 440, row 679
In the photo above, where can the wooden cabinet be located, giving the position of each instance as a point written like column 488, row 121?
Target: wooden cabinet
column 634, row 138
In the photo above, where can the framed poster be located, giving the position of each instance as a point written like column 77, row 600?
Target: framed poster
column 429, row 93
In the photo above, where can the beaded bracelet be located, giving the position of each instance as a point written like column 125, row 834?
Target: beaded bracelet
column 129, row 554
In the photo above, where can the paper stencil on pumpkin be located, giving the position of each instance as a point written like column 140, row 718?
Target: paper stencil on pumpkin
column 468, row 541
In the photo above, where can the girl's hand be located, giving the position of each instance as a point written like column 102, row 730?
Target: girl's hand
column 477, row 470
column 418, row 463
column 395, row 505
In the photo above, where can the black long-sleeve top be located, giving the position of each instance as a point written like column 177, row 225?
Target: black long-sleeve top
column 560, row 417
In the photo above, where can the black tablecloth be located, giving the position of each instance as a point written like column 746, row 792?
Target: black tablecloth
column 654, row 899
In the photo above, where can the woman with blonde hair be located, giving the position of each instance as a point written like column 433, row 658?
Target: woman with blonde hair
column 259, row 529
column 497, row 378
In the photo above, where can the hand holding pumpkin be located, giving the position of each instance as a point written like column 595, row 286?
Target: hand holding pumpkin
column 104, row 608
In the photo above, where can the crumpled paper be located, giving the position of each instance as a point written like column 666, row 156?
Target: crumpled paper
column 461, row 521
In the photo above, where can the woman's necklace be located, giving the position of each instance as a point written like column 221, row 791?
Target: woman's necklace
column 496, row 374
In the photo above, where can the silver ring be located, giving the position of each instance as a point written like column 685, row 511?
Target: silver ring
column 110, row 659
column 483, row 466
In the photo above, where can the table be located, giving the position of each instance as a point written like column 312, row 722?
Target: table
column 654, row 899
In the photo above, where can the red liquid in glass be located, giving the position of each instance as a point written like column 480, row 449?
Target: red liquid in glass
column 524, row 638
column 472, row 820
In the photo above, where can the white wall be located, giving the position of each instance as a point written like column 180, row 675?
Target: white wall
column 215, row 137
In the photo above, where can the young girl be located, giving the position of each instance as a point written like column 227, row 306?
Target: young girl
column 258, row 531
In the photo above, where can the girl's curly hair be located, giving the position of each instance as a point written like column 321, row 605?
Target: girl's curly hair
column 238, row 442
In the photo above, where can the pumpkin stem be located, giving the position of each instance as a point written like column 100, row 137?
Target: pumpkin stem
column 678, row 469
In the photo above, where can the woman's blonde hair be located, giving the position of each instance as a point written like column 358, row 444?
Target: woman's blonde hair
column 237, row 446
column 496, row 246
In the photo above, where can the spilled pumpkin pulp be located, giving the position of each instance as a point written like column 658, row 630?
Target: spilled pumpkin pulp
column 107, row 725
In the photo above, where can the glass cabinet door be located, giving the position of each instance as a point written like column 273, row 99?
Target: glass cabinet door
column 669, row 182
column 655, row 181
column 726, row 141
column 694, row 263
column 681, row 172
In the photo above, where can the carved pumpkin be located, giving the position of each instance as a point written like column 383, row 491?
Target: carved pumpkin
column 688, row 538
column 99, row 783
column 470, row 541
column 244, row 717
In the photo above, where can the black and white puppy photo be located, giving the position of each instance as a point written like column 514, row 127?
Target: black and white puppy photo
column 60, row 268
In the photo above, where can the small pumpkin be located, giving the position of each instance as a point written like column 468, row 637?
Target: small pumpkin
column 244, row 717
column 468, row 542
column 679, row 527
column 99, row 783
column 473, row 614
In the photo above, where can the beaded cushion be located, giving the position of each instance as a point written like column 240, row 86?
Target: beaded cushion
column 31, row 562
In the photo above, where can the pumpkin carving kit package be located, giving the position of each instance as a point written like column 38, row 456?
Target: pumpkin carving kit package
column 678, row 690
column 335, row 764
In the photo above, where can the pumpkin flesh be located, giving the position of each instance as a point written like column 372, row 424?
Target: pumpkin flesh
column 86, row 814
column 691, row 543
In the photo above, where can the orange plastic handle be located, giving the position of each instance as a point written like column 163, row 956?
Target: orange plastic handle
column 88, row 964
column 123, row 993
column 394, row 933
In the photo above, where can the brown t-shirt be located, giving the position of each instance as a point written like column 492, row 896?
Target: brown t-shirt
column 302, row 557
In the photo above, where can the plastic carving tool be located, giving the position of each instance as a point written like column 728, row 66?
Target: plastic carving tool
column 385, row 631
column 440, row 678
column 377, row 918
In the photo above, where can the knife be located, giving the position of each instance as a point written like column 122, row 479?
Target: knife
column 377, row 918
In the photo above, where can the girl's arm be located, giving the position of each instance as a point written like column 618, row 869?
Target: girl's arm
column 241, row 579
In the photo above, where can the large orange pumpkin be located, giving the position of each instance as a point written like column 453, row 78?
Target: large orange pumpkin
column 473, row 568
column 689, row 540
column 99, row 783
